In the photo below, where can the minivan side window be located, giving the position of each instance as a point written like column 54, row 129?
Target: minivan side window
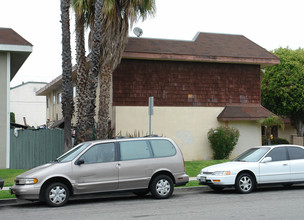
column 133, row 150
column 99, row 153
column 162, row 148
column 295, row 153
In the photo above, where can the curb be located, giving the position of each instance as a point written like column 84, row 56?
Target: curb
column 7, row 202
column 4, row 202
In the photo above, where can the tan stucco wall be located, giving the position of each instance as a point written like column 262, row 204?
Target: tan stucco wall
column 188, row 126
column 4, row 107
column 250, row 136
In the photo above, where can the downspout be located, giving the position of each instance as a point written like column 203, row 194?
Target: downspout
column 8, row 147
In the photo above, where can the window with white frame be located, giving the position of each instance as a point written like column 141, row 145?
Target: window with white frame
column 74, row 91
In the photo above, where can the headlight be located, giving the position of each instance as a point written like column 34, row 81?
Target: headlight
column 221, row 173
column 27, row 181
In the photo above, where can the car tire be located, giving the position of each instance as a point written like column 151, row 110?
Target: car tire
column 141, row 192
column 162, row 187
column 217, row 188
column 56, row 194
column 244, row 183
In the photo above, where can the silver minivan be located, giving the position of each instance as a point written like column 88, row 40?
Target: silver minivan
column 140, row 165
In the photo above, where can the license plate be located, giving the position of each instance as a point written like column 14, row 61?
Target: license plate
column 203, row 179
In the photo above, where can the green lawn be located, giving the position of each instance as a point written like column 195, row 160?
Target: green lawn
column 193, row 168
column 8, row 175
column 4, row 194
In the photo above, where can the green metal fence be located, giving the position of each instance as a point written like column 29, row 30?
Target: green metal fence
column 31, row 148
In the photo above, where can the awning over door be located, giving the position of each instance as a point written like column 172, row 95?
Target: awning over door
column 244, row 112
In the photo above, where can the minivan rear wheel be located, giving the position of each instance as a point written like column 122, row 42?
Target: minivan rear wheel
column 162, row 187
column 56, row 194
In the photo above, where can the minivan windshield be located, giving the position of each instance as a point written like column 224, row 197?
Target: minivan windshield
column 252, row 155
column 74, row 152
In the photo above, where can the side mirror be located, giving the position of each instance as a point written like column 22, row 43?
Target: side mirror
column 267, row 159
column 79, row 162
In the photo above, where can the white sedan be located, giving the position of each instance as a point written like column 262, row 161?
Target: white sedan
column 283, row 164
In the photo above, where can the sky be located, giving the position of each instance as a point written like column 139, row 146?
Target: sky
column 269, row 23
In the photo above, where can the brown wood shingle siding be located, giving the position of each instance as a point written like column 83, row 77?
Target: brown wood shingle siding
column 185, row 83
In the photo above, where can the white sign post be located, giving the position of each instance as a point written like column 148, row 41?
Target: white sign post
column 151, row 105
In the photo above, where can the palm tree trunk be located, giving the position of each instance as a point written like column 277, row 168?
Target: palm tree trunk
column 82, row 79
column 104, row 103
column 67, row 85
column 94, row 71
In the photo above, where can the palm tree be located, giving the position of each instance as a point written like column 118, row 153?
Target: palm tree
column 82, row 16
column 118, row 16
column 94, row 71
column 67, row 85
column 108, row 38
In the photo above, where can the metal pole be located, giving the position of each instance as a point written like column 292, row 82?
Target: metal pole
column 151, row 105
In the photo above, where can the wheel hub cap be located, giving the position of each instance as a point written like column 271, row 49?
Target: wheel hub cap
column 163, row 187
column 57, row 194
column 245, row 183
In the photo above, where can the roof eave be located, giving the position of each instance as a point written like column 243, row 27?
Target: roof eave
column 240, row 119
column 264, row 62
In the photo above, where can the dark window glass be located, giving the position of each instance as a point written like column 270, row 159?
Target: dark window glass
column 132, row 150
column 278, row 154
column 295, row 153
column 99, row 153
column 162, row 148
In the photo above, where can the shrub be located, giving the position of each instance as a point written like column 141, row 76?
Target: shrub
column 275, row 140
column 223, row 140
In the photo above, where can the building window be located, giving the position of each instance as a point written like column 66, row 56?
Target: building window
column 48, row 102
column 74, row 92
column 58, row 98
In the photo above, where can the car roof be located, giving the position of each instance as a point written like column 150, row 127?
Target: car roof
column 127, row 139
column 280, row 145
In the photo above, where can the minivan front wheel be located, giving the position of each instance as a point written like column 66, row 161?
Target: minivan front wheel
column 162, row 187
column 57, row 194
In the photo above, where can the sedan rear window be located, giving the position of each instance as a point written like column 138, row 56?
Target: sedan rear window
column 295, row 153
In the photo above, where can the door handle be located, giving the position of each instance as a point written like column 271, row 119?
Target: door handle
column 285, row 164
column 118, row 165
